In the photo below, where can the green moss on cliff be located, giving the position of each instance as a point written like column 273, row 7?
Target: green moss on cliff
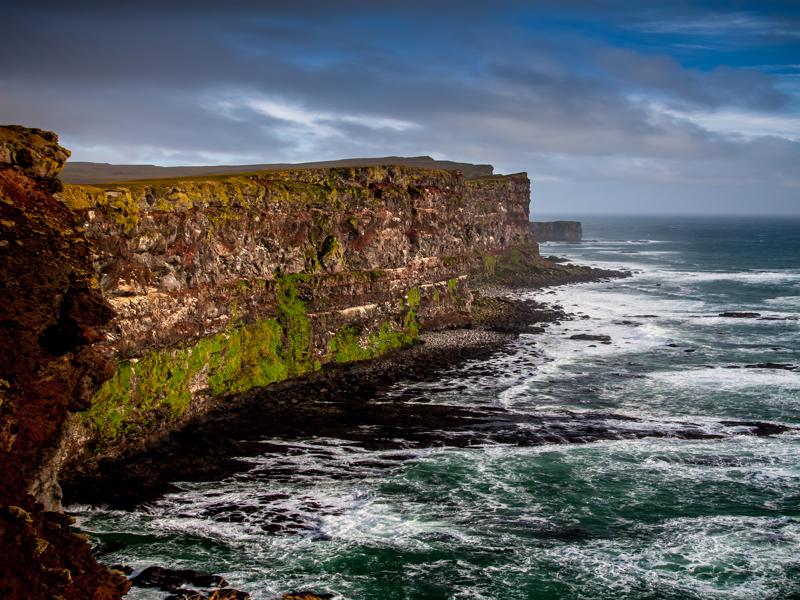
column 121, row 206
column 331, row 252
column 231, row 197
column 411, row 325
column 297, row 327
column 452, row 289
column 490, row 263
column 159, row 386
column 519, row 257
column 346, row 345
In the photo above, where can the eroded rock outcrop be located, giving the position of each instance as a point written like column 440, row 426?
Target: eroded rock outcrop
column 52, row 314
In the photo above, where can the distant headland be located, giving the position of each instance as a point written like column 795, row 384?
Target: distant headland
column 557, row 231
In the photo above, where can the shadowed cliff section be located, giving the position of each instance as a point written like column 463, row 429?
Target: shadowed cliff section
column 52, row 314
column 89, row 172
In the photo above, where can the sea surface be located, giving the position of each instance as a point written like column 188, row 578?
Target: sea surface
column 652, row 518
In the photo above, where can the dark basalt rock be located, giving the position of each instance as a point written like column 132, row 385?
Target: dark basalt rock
column 760, row 428
column 587, row 337
column 170, row 580
column 770, row 365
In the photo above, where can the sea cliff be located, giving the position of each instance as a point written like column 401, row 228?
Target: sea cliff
column 132, row 309
column 222, row 284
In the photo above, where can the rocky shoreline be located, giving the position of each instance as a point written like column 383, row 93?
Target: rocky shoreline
column 208, row 447
column 212, row 447
column 339, row 401
column 357, row 403
column 149, row 320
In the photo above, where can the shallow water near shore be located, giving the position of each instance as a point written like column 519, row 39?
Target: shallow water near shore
column 655, row 517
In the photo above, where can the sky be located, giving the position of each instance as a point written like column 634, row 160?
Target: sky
column 610, row 107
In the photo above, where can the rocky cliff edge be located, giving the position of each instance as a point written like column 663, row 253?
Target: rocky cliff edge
column 52, row 312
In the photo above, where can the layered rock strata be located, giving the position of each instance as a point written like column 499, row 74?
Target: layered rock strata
column 226, row 283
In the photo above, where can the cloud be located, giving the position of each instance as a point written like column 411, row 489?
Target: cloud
column 572, row 92
column 744, row 125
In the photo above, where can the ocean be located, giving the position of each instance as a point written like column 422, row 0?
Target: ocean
column 714, row 516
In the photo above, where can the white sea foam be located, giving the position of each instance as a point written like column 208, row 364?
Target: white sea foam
column 708, row 557
column 585, row 242
column 748, row 277
column 729, row 379
column 784, row 302
column 377, row 523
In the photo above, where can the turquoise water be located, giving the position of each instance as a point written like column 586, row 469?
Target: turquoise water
column 654, row 518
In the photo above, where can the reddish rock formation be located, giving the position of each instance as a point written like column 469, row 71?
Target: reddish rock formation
column 52, row 312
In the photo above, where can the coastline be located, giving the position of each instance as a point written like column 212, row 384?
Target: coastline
column 211, row 447
column 383, row 409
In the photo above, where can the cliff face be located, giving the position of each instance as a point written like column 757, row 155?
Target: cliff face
column 129, row 309
column 557, row 231
column 225, row 283
column 52, row 313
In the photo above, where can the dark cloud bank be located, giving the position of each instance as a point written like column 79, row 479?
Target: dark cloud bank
column 610, row 106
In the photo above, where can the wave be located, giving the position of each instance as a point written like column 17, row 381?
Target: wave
column 722, row 379
column 757, row 277
column 585, row 242
column 784, row 301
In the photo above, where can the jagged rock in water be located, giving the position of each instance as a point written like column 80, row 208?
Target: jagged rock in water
column 171, row 579
column 586, row 337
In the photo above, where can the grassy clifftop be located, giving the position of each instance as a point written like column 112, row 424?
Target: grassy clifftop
column 88, row 172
